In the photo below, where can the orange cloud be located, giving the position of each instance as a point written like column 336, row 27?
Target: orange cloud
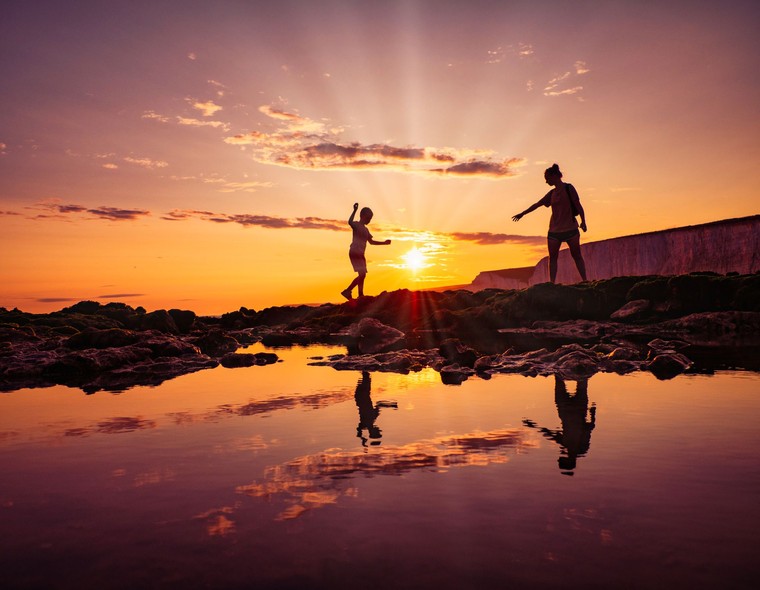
column 490, row 239
column 305, row 144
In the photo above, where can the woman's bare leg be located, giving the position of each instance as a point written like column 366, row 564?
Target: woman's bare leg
column 553, row 255
column 575, row 252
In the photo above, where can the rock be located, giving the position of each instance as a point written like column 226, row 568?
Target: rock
column 372, row 336
column 83, row 307
column 668, row 365
column 184, row 319
column 216, row 343
column 455, row 352
column 631, row 310
column 624, row 354
column 111, row 338
column 159, row 320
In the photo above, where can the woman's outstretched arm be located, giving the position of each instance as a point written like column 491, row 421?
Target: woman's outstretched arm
column 533, row 207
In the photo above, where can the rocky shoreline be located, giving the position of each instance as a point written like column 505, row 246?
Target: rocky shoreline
column 666, row 325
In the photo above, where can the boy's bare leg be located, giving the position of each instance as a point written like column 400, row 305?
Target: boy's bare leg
column 347, row 291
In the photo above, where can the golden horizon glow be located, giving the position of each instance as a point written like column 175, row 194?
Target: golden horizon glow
column 415, row 260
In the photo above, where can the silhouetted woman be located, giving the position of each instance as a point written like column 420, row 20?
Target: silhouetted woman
column 565, row 204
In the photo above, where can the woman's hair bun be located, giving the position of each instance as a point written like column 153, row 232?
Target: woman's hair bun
column 554, row 169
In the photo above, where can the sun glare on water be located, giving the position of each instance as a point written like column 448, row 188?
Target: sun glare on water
column 415, row 260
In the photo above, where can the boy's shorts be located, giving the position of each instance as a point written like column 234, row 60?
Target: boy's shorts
column 358, row 261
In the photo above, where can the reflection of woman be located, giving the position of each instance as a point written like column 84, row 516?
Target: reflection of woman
column 575, row 435
column 565, row 204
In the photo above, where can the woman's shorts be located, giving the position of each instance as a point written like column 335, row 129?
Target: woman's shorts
column 358, row 261
column 563, row 236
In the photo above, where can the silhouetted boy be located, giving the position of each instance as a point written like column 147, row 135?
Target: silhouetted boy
column 361, row 236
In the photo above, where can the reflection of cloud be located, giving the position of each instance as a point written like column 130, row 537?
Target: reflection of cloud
column 217, row 523
column 314, row 481
column 113, row 426
column 124, row 424
column 153, row 477
column 300, row 142
column 313, row 401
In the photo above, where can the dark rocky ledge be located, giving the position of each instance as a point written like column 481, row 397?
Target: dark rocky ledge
column 667, row 325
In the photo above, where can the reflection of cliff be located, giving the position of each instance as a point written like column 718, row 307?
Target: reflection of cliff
column 732, row 245
column 313, row 481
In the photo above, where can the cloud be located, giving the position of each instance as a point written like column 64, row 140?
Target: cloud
column 9, row 213
column 580, row 68
column 221, row 89
column 490, row 239
column 108, row 213
column 146, row 162
column 498, row 55
column 208, row 108
column 119, row 295
column 265, row 221
column 302, row 143
column 3, row 147
column 56, row 299
column 189, row 121
column 156, row 117
column 564, row 84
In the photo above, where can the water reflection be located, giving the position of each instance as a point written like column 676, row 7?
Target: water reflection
column 368, row 412
column 578, row 420
column 320, row 479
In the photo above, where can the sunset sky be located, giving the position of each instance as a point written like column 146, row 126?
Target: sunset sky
column 206, row 155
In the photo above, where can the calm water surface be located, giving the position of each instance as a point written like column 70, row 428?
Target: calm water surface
column 296, row 476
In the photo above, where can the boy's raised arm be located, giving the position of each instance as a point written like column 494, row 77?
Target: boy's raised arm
column 353, row 214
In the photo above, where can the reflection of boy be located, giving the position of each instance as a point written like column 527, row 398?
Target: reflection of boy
column 361, row 237
column 368, row 413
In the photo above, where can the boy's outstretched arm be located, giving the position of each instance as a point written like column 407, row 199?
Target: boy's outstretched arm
column 353, row 214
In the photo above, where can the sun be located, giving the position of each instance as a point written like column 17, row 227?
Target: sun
column 415, row 260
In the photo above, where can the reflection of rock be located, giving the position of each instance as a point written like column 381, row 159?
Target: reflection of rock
column 234, row 360
column 668, row 365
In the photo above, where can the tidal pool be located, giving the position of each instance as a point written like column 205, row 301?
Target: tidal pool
column 298, row 476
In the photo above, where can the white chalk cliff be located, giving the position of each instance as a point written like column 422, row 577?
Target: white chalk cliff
column 731, row 245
